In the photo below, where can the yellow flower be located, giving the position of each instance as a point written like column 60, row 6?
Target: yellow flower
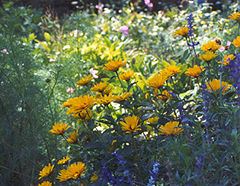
column 46, row 171
column 45, row 183
column 108, row 90
column 64, row 160
column 78, row 104
column 211, row 46
column 94, row 178
column 153, row 120
column 123, row 96
column 171, row 127
column 73, row 137
column 227, row 58
column 85, row 80
column 114, row 65
column 84, row 115
column 236, row 42
column 157, row 80
column 183, row 31
column 164, row 95
column 73, row 171
column 235, row 16
column 59, row 128
column 195, row 71
column 216, row 85
column 100, row 87
column 126, row 75
column 130, row 124
column 208, row 56
column 172, row 70
column 106, row 99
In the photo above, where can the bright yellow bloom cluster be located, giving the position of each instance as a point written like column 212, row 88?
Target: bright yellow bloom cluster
column 216, row 85
column 46, row 171
column 130, row 124
column 100, row 87
column 195, row 71
column 94, row 178
column 85, row 80
column 59, row 128
column 157, row 80
column 183, row 31
column 164, row 95
column 73, row 171
column 84, row 115
column 236, row 42
column 106, row 99
column 235, row 16
column 45, row 183
column 114, row 65
column 73, row 137
column 211, row 46
column 123, row 96
column 64, row 160
column 171, row 70
column 78, row 104
column 227, row 58
column 208, row 56
column 171, row 128
column 126, row 75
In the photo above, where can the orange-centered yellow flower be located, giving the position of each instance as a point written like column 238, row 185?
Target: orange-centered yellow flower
column 212, row 46
column 227, row 59
column 46, row 171
column 164, row 95
column 236, row 41
column 195, row 71
column 84, row 81
column 106, row 99
column 235, row 16
column 100, row 87
column 130, row 124
column 208, row 56
column 73, row 171
column 171, row 70
column 126, row 75
column 78, row 104
column 64, row 160
column 157, row 80
column 183, row 31
column 73, row 137
column 123, row 96
column 59, row 128
column 45, row 183
column 216, row 85
column 114, row 65
column 171, row 127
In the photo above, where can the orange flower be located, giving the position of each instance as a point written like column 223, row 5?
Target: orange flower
column 183, row 31
column 46, row 171
column 227, row 58
column 100, row 87
column 130, row 124
column 84, row 81
column 236, row 41
column 171, row 127
column 59, row 128
column 216, row 86
column 73, row 137
column 235, row 16
column 195, row 71
column 64, row 160
column 211, row 46
column 114, row 65
column 126, row 75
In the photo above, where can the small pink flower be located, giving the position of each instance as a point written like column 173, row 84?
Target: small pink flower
column 148, row 3
column 221, row 49
column 4, row 51
column 99, row 7
column 124, row 29
column 93, row 72
column 228, row 43
column 70, row 90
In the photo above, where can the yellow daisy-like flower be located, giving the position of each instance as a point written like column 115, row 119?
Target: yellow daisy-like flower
column 227, row 58
column 216, row 85
column 172, row 70
column 45, row 183
column 208, row 56
column 73, row 171
column 94, row 178
column 114, row 65
column 106, row 99
column 183, row 31
column 164, row 95
column 64, row 160
column 126, row 75
column 212, row 46
column 100, row 87
column 195, row 71
column 59, row 128
column 73, row 137
column 84, row 115
column 235, row 16
column 123, row 96
column 130, row 124
column 236, row 42
column 171, row 127
column 84, row 81
column 153, row 120
column 46, row 171
column 157, row 80
column 78, row 104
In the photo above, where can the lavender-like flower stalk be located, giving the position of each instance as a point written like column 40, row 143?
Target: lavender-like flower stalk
column 154, row 174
